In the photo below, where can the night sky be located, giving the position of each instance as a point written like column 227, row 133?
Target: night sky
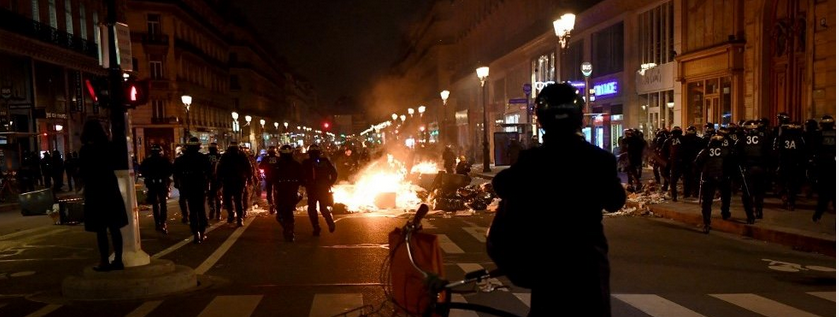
column 341, row 46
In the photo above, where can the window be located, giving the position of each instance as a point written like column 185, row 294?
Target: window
column 656, row 35
column 36, row 10
column 68, row 17
column 83, row 22
column 153, row 24
column 234, row 82
column 571, row 60
column 608, row 50
column 156, row 69
column 53, row 14
column 158, row 108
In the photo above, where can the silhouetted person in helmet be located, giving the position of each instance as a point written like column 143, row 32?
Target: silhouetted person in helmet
column 812, row 138
column 288, row 179
column 233, row 171
column 693, row 144
column 449, row 159
column 268, row 166
column 677, row 162
column 756, row 149
column 156, row 171
column 528, row 222
column 318, row 176
column 192, row 170
column 716, row 163
column 790, row 150
column 214, row 193
column 826, row 166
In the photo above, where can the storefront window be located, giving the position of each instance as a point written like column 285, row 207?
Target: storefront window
column 725, row 100
column 710, row 101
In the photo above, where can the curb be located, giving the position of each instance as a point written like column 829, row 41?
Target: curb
column 775, row 235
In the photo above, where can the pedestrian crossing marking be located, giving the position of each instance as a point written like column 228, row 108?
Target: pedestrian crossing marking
column 427, row 224
column 524, row 298
column 327, row 305
column 447, row 245
column 208, row 264
column 831, row 296
column 458, row 298
column 184, row 242
column 472, row 267
column 476, row 231
column 144, row 309
column 46, row 310
column 231, row 306
column 762, row 305
column 656, row 306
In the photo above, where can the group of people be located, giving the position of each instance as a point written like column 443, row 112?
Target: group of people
column 234, row 179
column 48, row 171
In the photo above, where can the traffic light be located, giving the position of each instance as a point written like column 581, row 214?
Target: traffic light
column 136, row 92
column 326, row 125
column 97, row 89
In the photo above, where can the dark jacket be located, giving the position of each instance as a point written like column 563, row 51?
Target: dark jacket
column 192, row 172
column 319, row 174
column 103, row 206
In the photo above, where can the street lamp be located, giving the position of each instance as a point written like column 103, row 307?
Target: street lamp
column 445, row 96
column 411, row 112
column 262, row 132
column 483, row 73
column 248, row 124
column 394, row 116
column 187, row 101
column 58, row 129
column 235, row 116
column 421, row 110
column 403, row 117
column 563, row 27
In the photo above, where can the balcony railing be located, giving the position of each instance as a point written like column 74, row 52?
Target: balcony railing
column 155, row 39
column 27, row 27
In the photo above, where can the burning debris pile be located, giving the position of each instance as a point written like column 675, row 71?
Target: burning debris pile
column 475, row 197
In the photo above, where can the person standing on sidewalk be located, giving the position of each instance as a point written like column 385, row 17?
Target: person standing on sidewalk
column 192, row 168
column 756, row 147
column 529, row 218
column 716, row 163
column 826, row 166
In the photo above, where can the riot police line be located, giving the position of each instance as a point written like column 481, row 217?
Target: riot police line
column 751, row 158
column 230, row 180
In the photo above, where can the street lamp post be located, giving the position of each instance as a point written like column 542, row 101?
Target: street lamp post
column 187, row 101
column 248, row 124
column 483, row 73
column 58, row 129
column 262, row 132
column 236, row 128
column 421, row 110
column 445, row 96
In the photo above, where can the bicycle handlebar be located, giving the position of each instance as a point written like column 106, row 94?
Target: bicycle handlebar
column 421, row 212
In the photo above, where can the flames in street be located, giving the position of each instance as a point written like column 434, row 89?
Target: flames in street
column 376, row 184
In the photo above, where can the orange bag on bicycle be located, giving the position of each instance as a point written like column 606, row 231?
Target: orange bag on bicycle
column 409, row 290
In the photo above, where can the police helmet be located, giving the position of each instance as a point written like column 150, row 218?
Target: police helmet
column 156, row 149
column 691, row 129
column 827, row 122
column 716, row 141
column 193, row 141
column 272, row 150
column 724, row 130
column 560, row 107
column 677, row 131
column 783, row 118
column 286, row 149
column 751, row 125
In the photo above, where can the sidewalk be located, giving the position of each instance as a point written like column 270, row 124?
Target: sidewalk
column 791, row 228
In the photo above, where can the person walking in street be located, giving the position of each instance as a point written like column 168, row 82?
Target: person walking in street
column 318, row 176
column 677, row 162
column 789, row 146
column 182, row 199
column 233, row 170
column 104, row 208
column 526, row 223
column 156, row 171
column 214, row 194
column 193, row 169
column 449, row 159
column 70, row 168
column 288, row 179
column 57, row 172
column 268, row 166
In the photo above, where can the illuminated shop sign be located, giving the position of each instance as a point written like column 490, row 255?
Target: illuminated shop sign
column 605, row 89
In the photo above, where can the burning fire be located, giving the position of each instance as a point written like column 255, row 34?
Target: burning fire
column 426, row 167
column 381, row 180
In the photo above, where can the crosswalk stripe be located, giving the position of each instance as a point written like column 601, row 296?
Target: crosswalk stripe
column 472, row 267
column 231, row 306
column 327, row 305
column 831, row 296
column 44, row 310
column 763, row 306
column 210, row 261
column 185, row 242
column 478, row 233
column 458, row 298
column 427, row 224
column 524, row 298
column 447, row 245
column 144, row 309
column 656, row 306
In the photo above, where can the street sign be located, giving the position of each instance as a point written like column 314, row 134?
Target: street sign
column 518, row 101
column 527, row 89
column 586, row 68
column 123, row 37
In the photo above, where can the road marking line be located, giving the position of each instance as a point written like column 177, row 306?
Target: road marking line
column 326, row 305
column 144, row 309
column 447, row 245
column 8, row 244
column 831, row 296
column 44, row 310
column 210, row 261
column 524, row 298
column 656, row 306
column 478, row 233
column 231, row 306
column 458, row 298
column 427, row 224
column 471, row 267
column 763, row 305
column 184, row 242
column 28, row 231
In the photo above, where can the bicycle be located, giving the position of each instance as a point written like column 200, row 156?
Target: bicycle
column 424, row 292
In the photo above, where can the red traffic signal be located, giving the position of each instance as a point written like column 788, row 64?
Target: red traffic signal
column 136, row 92
column 326, row 125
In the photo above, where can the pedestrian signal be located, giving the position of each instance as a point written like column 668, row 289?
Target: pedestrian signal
column 136, row 92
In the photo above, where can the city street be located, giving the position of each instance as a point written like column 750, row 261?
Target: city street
column 659, row 268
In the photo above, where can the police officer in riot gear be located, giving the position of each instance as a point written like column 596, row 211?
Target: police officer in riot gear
column 715, row 162
column 193, row 169
column 692, row 146
column 288, row 179
column 826, row 166
column 156, row 170
column 812, row 138
column 708, row 131
column 675, row 155
column 524, row 232
column 789, row 146
column 756, row 148
column 319, row 174
column 658, row 162
column 214, row 193
column 268, row 166
column 233, row 171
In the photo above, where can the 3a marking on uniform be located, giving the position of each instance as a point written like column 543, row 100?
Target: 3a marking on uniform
column 524, row 298
column 458, row 298
column 144, row 309
column 656, row 306
column 231, row 306
column 831, row 296
column 210, row 261
column 763, row 305
column 447, row 245
column 326, row 305
column 472, row 267
column 44, row 310
column 184, row 242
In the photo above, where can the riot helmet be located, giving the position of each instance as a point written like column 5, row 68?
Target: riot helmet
column 560, row 108
column 314, row 151
column 676, row 131
column 156, row 150
column 691, row 130
column 213, row 148
column 193, row 145
column 709, row 128
column 827, row 122
column 286, row 151
column 716, row 141
column 763, row 124
column 811, row 125
column 233, row 146
column 272, row 150
column 783, row 118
